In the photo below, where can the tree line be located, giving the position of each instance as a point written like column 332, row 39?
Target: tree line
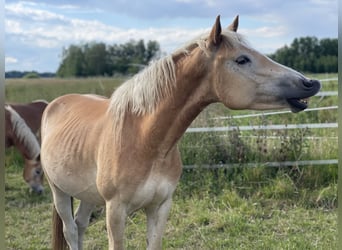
column 309, row 54
column 27, row 74
column 99, row 59
column 306, row 54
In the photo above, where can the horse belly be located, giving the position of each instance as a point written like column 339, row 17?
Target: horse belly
column 82, row 187
column 70, row 169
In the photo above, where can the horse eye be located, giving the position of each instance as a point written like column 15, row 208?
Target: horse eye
column 241, row 60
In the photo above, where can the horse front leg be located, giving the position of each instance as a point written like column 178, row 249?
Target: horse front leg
column 156, row 222
column 82, row 220
column 63, row 207
column 115, row 219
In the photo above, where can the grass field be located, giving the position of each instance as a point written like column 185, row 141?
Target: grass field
column 238, row 208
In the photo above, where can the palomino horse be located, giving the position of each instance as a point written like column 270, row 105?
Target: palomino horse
column 18, row 134
column 122, row 152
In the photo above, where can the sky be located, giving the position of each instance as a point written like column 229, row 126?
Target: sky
column 37, row 31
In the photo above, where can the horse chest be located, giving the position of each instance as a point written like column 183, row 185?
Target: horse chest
column 152, row 192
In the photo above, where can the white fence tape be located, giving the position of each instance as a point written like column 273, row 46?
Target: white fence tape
column 265, row 164
column 329, row 79
column 263, row 127
column 327, row 93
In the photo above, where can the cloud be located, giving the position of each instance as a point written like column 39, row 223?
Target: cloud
column 265, row 31
column 40, row 30
column 50, row 30
column 31, row 11
column 10, row 60
column 35, row 37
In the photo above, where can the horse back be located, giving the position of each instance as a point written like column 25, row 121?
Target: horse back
column 74, row 115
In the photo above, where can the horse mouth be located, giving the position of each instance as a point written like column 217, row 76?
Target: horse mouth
column 297, row 104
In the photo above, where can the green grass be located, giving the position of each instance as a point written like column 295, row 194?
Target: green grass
column 237, row 208
column 256, row 214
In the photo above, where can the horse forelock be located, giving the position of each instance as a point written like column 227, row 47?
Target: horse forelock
column 23, row 133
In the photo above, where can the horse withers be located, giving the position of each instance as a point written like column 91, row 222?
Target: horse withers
column 122, row 152
column 22, row 130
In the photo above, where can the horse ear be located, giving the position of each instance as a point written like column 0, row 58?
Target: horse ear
column 38, row 158
column 234, row 25
column 215, row 34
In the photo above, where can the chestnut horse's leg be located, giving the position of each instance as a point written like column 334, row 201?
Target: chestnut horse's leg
column 156, row 220
column 63, row 206
column 82, row 220
column 116, row 215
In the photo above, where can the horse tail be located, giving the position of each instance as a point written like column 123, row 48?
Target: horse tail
column 58, row 240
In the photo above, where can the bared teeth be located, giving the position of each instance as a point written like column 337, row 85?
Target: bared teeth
column 305, row 101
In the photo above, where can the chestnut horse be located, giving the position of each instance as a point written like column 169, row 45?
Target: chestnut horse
column 19, row 135
column 122, row 152
column 31, row 113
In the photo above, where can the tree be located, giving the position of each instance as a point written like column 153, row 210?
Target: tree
column 96, row 59
column 31, row 75
column 95, row 62
column 152, row 51
column 309, row 54
column 72, row 62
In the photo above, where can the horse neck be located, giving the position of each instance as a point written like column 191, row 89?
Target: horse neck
column 22, row 137
column 191, row 94
column 29, row 149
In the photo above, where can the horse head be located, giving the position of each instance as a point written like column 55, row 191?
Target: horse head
column 243, row 78
column 33, row 174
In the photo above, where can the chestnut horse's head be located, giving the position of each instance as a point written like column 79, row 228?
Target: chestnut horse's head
column 33, row 174
column 243, row 78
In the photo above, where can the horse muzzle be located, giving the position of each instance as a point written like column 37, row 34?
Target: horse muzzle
column 37, row 189
column 308, row 88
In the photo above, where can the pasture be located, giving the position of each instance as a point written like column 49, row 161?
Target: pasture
column 291, row 207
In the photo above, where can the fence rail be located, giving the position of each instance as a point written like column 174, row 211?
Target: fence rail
column 265, row 164
column 329, row 79
column 263, row 127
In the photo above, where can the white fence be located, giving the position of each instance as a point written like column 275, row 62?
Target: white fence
column 263, row 127
column 321, row 94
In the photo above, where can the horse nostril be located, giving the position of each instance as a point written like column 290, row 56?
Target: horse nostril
column 308, row 83
column 38, row 190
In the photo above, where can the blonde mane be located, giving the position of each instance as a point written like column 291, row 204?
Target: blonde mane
column 142, row 92
column 23, row 133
